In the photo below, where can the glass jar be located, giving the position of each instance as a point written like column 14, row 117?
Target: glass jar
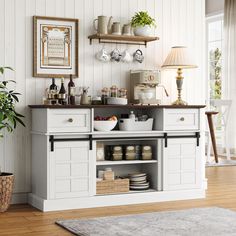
column 123, row 93
column 105, row 94
column 113, row 91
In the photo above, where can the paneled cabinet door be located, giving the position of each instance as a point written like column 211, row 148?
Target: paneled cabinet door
column 181, row 164
column 70, row 170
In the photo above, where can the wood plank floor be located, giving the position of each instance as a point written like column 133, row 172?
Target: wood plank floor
column 26, row 220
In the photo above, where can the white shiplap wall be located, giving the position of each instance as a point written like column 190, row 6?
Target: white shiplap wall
column 180, row 22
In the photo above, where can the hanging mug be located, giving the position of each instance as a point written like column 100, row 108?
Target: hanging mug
column 115, row 55
column 126, row 57
column 138, row 56
column 103, row 55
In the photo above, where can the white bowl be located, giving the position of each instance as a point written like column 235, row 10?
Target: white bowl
column 104, row 125
column 117, row 101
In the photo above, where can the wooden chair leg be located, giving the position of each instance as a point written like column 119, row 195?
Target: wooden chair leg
column 213, row 138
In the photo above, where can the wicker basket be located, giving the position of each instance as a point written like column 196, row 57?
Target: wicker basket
column 113, row 186
column 6, row 187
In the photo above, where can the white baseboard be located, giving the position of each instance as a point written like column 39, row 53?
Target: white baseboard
column 19, row 198
column 114, row 200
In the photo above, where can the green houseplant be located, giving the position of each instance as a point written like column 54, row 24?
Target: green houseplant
column 9, row 118
column 142, row 23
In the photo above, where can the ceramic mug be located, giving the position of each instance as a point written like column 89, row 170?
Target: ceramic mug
column 103, row 55
column 126, row 57
column 115, row 28
column 126, row 30
column 138, row 56
column 116, row 55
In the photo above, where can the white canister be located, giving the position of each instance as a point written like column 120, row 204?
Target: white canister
column 101, row 174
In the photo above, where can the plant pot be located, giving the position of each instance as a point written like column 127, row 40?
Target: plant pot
column 6, row 188
column 143, row 30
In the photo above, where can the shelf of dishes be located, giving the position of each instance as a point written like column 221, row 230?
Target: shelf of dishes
column 108, row 182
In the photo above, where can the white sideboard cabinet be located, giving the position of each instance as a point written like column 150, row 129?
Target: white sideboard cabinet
column 64, row 147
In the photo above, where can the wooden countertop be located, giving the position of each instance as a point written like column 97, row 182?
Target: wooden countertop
column 129, row 106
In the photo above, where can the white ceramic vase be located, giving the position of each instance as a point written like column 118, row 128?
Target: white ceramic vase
column 143, row 30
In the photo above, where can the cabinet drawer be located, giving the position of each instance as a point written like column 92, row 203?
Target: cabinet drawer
column 69, row 120
column 181, row 119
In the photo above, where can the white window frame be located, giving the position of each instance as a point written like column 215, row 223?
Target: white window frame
column 211, row 19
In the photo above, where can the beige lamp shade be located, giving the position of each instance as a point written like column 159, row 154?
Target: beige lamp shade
column 179, row 57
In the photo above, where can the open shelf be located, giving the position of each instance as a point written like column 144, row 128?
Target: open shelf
column 106, row 163
column 122, row 39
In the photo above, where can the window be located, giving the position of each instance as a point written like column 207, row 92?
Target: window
column 215, row 82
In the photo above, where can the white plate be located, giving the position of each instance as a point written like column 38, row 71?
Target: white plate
column 139, row 188
column 138, row 182
column 138, row 175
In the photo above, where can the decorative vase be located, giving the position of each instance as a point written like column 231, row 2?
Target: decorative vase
column 143, row 30
column 6, row 188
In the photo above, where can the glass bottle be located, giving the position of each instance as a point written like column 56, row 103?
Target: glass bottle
column 71, row 91
column 53, row 86
column 62, row 93
column 132, row 115
column 52, row 92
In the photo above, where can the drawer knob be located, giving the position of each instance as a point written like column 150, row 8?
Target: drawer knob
column 70, row 120
column 182, row 118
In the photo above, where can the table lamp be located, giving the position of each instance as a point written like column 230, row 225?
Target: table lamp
column 179, row 58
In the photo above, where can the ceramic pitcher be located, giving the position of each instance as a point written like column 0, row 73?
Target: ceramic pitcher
column 103, row 24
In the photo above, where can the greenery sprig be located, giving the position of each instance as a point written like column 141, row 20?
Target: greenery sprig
column 8, row 99
column 142, row 18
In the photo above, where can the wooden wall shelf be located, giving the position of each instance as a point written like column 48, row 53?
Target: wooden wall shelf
column 122, row 39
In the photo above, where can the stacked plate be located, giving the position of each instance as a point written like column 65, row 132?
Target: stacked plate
column 138, row 181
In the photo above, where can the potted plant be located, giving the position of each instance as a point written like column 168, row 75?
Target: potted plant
column 8, row 121
column 142, row 23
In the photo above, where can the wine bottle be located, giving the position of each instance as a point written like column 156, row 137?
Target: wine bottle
column 71, row 91
column 53, row 86
column 62, row 93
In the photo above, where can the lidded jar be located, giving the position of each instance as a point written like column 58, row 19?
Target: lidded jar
column 114, row 91
column 123, row 93
column 105, row 95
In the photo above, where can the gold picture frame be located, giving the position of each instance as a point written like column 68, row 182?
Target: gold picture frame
column 55, row 47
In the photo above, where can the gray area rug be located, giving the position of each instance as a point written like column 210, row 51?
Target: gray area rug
column 197, row 221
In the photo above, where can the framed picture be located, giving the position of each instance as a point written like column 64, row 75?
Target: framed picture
column 55, row 47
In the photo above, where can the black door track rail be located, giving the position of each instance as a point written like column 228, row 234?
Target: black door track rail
column 90, row 138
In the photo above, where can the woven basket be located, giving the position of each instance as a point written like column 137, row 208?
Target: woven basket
column 6, row 188
column 113, row 186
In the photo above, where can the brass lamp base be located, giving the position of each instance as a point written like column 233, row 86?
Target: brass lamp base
column 179, row 83
column 179, row 102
